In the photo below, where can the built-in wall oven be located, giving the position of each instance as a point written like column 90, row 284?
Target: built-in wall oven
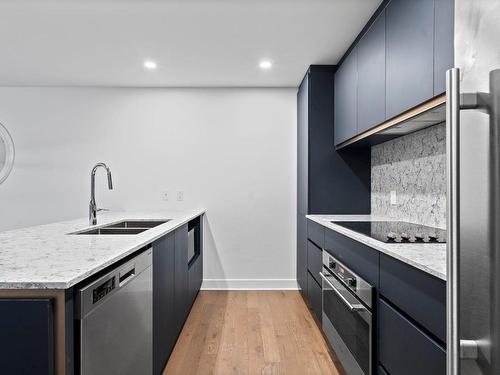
column 347, row 316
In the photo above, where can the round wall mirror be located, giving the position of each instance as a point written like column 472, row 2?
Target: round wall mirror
column 6, row 153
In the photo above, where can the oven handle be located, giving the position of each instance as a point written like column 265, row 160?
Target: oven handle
column 356, row 307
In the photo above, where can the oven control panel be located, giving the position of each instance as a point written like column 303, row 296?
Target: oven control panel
column 351, row 280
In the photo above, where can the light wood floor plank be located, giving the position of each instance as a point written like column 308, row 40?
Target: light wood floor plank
column 251, row 333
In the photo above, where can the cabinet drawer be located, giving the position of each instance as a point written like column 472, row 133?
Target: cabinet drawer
column 316, row 233
column 360, row 258
column 314, row 295
column 420, row 295
column 406, row 350
column 314, row 260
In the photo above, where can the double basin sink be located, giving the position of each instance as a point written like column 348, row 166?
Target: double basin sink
column 124, row 227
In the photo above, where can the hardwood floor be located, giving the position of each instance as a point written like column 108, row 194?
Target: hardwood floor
column 251, row 332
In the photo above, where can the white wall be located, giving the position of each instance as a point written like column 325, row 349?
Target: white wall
column 232, row 151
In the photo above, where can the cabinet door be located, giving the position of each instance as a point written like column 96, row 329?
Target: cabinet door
column 302, row 252
column 404, row 348
column 181, row 276
column 444, row 11
column 420, row 295
column 164, row 314
column 409, row 54
column 345, row 99
column 302, row 146
column 371, row 76
column 27, row 336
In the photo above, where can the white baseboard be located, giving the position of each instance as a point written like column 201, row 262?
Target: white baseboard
column 249, row 284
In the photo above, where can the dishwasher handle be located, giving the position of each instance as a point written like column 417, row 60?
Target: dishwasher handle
column 126, row 274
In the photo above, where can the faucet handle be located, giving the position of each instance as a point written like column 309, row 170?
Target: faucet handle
column 103, row 209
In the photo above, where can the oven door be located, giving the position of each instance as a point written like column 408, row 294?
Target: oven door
column 347, row 324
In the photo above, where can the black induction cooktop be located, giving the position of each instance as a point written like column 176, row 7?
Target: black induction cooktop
column 396, row 231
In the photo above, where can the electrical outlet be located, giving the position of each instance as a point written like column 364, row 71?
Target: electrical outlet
column 180, row 196
column 164, row 196
column 394, row 198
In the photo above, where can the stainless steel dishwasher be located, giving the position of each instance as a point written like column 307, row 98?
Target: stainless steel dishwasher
column 115, row 318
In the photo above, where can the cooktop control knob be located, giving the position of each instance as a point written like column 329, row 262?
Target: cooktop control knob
column 405, row 237
column 419, row 238
column 391, row 237
column 433, row 238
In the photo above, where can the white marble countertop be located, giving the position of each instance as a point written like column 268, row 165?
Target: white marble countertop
column 48, row 257
column 430, row 258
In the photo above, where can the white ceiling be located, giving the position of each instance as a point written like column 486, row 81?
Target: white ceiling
column 195, row 42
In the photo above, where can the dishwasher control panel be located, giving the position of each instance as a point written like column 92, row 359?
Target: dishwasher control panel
column 103, row 289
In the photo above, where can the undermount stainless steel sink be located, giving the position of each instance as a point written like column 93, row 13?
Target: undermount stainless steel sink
column 123, row 227
column 136, row 224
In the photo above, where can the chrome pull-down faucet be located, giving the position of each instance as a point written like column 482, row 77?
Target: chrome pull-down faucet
column 92, row 205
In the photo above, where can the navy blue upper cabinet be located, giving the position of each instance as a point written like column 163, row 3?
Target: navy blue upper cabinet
column 409, row 54
column 371, row 76
column 444, row 11
column 345, row 99
column 397, row 63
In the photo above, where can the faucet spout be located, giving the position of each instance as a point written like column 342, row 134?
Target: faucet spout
column 92, row 204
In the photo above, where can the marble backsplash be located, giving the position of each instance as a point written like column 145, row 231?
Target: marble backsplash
column 414, row 166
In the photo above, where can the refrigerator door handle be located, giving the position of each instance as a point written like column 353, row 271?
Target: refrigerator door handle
column 490, row 104
column 453, row 219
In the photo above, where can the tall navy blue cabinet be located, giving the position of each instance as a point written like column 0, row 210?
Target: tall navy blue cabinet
column 328, row 181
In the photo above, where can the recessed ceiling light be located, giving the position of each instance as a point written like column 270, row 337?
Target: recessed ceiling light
column 151, row 65
column 266, row 64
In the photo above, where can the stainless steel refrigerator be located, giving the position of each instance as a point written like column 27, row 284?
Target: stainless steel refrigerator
column 473, row 237
column 473, row 152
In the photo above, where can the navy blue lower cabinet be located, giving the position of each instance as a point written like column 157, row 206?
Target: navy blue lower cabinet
column 419, row 294
column 195, row 278
column 27, row 336
column 316, row 233
column 302, row 252
column 164, row 313
column 181, row 293
column 404, row 349
column 314, row 294
column 195, row 263
column 314, row 260
column 362, row 259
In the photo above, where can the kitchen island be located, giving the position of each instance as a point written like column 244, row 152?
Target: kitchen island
column 42, row 267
